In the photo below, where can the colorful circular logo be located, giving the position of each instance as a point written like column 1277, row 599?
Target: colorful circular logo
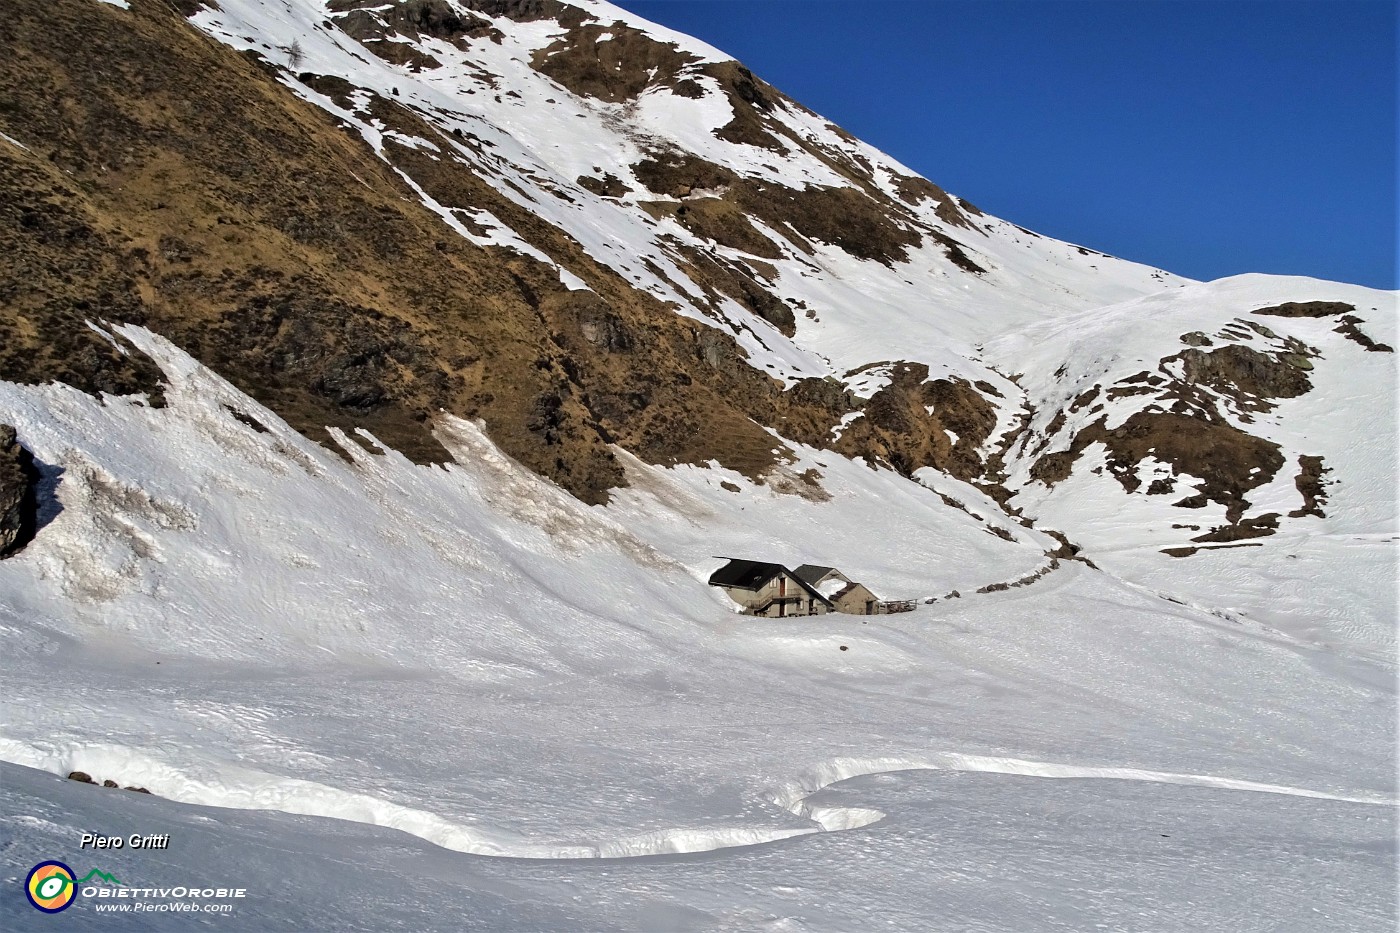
column 50, row 887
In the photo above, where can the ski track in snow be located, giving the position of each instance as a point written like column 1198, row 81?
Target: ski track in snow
column 236, row 787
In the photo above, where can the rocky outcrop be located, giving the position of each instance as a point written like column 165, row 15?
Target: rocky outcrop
column 916, row 422
column 863, row 226
column 82, row 777
column 1227, row 461
column 1306, row 309
column 19, row 481
column 1246, row 374
column 1348, row 329
column 612, row 62
column 524, row 11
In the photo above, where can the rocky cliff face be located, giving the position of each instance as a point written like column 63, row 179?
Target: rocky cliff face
column 584, row 230
column 18, row 482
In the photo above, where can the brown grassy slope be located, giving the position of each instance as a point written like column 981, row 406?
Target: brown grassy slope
column 175, row 183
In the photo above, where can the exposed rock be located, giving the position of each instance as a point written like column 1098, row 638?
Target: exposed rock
column 1085, row 399
column 1311, row 486
column 609, row 186
column 1189, row 551
column 1348, row 329
column 689, row 88
column 752, row 99
column 1241, row 371
column 1257, row 527
column 1023, row 581
column 611, row 62
column 899, row 427
column 954, row 251
column 677, row 174
column 1306, row 309
column 1054, row 467
column 843, row 217
column 1228, row 461
column 525, row 11
column 914, row 189
column 401, row 53
column 380, row 27
column 333, row 86
column 722, row 222
column 866, row 224
column 1066, row 550
column 83, row 777
column 19, row 481
column 247, row 419
column 436, row 18
column 718, row 275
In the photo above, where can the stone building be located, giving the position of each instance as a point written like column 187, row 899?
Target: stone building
column 769, row 590
column 845, row 594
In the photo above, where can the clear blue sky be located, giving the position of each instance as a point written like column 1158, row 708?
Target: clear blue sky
column 1208, row 138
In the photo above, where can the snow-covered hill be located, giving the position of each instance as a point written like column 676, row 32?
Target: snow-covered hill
column 389, row 378
column 1233, row 439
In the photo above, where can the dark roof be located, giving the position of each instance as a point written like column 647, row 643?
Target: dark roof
column 752, row 574
column 745, row 574
column 811, row 573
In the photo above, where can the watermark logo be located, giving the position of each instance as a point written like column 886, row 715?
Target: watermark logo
column 51, row 887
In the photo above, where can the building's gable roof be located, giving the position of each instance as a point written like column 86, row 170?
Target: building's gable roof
column 745, row 574
column 811, row 574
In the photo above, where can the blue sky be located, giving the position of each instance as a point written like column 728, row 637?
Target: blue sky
column 1208, row 138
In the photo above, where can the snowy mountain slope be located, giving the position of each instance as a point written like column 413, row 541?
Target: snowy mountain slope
column 548, row 186
column 661, row 135
column 230, row 616
column 1218, row 440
